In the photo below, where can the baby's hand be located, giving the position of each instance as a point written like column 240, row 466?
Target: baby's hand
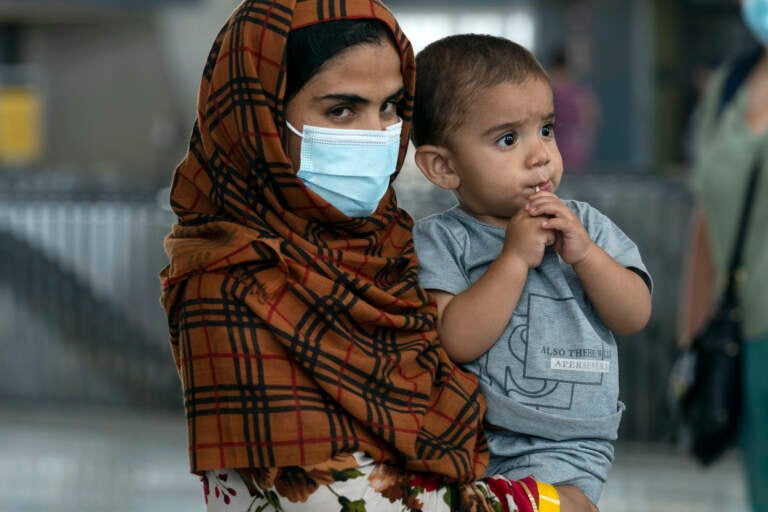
column 572, row 241
column 526, row 239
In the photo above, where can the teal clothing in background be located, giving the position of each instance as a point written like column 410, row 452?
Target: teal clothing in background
column 754, row 435
column 726, row 150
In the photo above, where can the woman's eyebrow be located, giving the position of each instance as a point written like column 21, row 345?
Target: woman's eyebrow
column 347, row 98
column 357, row 99
column 397, row 95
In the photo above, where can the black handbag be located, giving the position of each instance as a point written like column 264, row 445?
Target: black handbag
column 705, row 382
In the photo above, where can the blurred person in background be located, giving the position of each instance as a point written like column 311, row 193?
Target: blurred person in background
column 698, row 82
column 311, row 371
column 578, row 114
column 730, row 139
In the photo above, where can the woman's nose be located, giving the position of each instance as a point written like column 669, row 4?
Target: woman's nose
column 375, row 121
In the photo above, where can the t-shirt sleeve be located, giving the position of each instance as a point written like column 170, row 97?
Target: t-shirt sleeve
column 605, row 233
column 439, row 251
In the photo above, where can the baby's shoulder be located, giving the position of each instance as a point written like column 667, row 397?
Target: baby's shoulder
column 446, row 220
column 587, row 213
column 444, row 228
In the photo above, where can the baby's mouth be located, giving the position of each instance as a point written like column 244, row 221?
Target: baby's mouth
column 544, row 185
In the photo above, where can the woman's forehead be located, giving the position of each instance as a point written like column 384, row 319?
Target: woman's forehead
column 367, row 70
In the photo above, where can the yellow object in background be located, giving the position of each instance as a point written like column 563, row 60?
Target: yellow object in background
column 20, row 125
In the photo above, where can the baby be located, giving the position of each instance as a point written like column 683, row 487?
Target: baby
column 529, row 287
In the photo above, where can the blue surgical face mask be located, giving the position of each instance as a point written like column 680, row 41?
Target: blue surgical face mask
column 755, row 14
column 350, row 169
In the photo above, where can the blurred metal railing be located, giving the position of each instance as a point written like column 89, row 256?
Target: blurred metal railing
column 79, row 312
column 80, row 318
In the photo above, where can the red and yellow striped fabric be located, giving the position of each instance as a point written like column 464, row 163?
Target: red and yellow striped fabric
column 299, row 333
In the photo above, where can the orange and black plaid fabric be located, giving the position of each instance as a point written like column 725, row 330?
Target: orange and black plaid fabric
column 299, row 333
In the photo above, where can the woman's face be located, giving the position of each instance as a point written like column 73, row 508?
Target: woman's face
column 357, row 89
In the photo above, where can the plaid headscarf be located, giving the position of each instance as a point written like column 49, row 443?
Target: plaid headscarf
column 299, row 333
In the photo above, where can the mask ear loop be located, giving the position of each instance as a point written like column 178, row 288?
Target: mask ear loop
column 294, row 130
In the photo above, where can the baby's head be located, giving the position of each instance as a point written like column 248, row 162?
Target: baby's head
column 453, row 71
column 483, row 123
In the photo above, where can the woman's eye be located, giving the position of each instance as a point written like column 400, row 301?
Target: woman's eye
column 341, row 112
column 548, row 130
column 389, row 108
column 506, row 140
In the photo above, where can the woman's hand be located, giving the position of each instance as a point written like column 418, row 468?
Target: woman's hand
column 573, row 500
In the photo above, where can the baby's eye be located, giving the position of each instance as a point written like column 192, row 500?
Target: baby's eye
column 506, row 140
column 548, row 130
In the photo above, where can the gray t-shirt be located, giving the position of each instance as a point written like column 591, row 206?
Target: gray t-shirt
column 551, row 379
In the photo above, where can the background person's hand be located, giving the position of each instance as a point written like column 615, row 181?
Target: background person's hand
column 573, row 500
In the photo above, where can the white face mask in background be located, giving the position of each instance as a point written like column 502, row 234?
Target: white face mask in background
column 350, row 169
column 755, row 14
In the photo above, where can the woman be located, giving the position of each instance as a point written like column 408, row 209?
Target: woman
column 731, row 138
column 312, row 376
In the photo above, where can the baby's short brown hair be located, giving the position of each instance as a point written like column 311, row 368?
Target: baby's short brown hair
column 451, row 70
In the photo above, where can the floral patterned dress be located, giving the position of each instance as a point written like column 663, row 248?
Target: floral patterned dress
column 354, row 483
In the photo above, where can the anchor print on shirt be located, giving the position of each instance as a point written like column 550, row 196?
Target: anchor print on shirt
column 542, row 361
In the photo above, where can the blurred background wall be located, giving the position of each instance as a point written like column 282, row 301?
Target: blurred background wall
column 97, row 99
column 118, row 80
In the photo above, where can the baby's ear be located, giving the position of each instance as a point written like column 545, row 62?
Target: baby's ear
column 435, row 164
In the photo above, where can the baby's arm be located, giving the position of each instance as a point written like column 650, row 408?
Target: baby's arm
column 470, row 323
column 619, row 295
